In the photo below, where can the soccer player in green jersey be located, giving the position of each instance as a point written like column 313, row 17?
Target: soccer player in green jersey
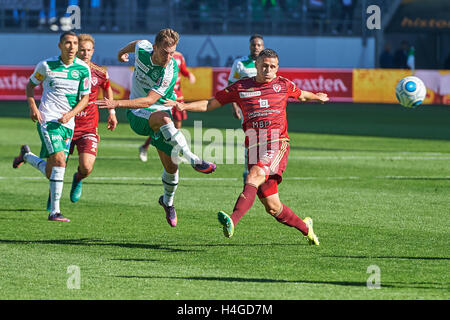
column 244, row 67
column 66, row 83
column 154, row 77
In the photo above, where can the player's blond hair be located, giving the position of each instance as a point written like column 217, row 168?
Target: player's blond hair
column 86, row 37
column 167, row 37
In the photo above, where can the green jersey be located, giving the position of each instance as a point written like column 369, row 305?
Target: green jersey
column 148, row 76
column 62, row 85
column 242, row 68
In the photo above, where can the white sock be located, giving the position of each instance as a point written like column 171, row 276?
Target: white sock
column 36, row 162
column 170, row 182
column 56, row 187
column 176, row 138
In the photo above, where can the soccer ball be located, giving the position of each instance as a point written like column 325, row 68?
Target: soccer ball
column 410, row 91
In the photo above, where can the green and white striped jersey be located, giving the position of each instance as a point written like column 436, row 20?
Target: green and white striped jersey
column 62, row 87
column 148, row 76
column 242, row 67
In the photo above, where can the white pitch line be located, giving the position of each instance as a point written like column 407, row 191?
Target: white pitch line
column 293, row 157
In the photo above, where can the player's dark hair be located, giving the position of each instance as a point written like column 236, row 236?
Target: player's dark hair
column 268, row 53
column 256, row 36
column 67, row 33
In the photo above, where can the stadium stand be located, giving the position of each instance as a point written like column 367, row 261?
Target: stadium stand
column 270, row 17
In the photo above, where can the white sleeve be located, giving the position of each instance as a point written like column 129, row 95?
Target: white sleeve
column 234, row 73
column 39, row 73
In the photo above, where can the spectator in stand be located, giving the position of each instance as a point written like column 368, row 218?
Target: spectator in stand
column 112, row 6
column 347, row 8
column 401, row 56
column 386, row 57
column 53, row 10
column 141, row 11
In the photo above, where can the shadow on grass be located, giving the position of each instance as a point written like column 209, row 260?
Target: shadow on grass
column 96, row 242
column 136, row 260
column 257, row 280
column 422, row 285
column 124, row 184
column 20, row 210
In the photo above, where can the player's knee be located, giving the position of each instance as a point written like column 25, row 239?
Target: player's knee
column 159, row 119
column 256, row 176
column 85, row 171
column 57, row 160
column 273, row 209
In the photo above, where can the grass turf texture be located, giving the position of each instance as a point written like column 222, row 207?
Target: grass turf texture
column 375, row 179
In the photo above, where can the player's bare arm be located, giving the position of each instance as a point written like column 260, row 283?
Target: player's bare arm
column 309, row 96
column 196, row 106
column 77, row 109
column 35, row 114
column 137, row 103
column 235, row 109
column 123, row 54
column 112, row 119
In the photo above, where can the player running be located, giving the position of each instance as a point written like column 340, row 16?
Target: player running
column 178, row 116
column 86, row 137
column 66, row 83
column 244, row 67
column 263, row 100
column 154, row 78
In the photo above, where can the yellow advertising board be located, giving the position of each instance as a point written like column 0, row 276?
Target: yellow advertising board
column 378, row 85
column 203, row 86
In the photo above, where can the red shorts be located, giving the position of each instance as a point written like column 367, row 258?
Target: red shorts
column 86, row 143
column 273, row 160
column 179, row 115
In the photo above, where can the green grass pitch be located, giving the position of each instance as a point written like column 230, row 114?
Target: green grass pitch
column 375, row 179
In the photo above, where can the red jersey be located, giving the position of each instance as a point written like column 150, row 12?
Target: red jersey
column 87, row 120
column 179, row 58
column 263, row 106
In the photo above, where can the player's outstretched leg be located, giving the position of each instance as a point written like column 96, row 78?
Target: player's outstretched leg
column 312, row 238
column 76, row 189
column 175, row 137
column 204, row 167
column 227, row 223
column 20, row 159
column 29, row 157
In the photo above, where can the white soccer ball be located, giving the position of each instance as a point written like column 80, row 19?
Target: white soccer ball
column 410, row 91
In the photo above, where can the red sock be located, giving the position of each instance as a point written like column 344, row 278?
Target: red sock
column 289, row 218
column 77, row 177
column 147, row 142
column 244, row 203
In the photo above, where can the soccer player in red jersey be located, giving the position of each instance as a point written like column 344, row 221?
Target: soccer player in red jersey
column 86, row 136
column 263, row 100
column 178, row 116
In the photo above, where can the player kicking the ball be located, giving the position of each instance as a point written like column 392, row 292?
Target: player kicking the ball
column 263, row 100
column 66, row 83
column 154, row 78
